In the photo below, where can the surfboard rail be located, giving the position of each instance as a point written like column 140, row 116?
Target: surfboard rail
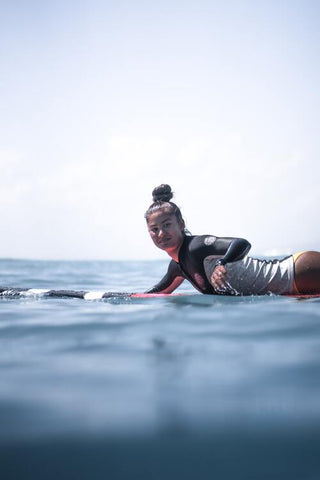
column 82, row 294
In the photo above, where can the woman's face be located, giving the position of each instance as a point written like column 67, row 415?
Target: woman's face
column 166, row 231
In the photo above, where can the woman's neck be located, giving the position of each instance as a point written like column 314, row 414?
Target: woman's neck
column 174, row 254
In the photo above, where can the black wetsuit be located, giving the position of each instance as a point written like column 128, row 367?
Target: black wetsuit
column 193, row 251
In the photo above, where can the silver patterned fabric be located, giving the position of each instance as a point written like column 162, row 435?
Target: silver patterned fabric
column 253, row 276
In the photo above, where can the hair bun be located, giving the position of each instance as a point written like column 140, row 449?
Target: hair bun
column 162, row 193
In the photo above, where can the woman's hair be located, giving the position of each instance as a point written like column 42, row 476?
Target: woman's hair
column 161, row 201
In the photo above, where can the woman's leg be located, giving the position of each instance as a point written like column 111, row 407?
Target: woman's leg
column 307, row 272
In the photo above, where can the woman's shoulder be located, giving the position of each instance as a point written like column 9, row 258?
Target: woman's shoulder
column 197, row 241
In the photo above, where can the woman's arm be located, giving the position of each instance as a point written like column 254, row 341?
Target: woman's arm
column 235, row 249
column 170, row 281
column 232, row 249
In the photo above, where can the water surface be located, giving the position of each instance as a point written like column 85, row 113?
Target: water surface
column 183, row 387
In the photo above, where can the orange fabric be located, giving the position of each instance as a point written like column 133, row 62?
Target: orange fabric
column 297, row 255
column 295, row 258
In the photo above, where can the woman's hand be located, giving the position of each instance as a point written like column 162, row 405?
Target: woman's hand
column 218, row 278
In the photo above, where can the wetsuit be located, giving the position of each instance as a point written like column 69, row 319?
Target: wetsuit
column 192, row 255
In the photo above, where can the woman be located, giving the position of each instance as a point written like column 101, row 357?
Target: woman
column 219, row 265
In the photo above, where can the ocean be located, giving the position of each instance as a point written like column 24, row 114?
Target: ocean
column 185, row 387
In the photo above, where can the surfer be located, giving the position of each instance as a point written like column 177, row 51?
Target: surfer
column 220, row 265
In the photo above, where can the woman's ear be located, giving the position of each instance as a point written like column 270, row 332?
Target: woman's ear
column 182, row 225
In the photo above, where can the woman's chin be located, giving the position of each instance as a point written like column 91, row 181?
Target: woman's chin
column 164, row 246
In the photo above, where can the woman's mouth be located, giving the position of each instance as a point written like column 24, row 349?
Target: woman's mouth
column 164, row 241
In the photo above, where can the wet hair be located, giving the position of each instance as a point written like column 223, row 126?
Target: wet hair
column 161, row 196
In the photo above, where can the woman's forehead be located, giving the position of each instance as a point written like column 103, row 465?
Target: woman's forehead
column 159, row 217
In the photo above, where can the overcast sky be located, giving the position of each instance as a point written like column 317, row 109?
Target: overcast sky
column 103, row 100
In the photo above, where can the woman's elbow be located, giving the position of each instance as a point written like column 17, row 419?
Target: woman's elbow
column 246, row 245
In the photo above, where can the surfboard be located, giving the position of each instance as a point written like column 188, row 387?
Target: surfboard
column 303, row 296
column 9, row 292
column 82, row 294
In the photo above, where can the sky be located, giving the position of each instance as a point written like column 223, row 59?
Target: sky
column 101, row 101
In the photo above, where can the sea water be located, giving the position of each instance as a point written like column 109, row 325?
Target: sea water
column 186, row 387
